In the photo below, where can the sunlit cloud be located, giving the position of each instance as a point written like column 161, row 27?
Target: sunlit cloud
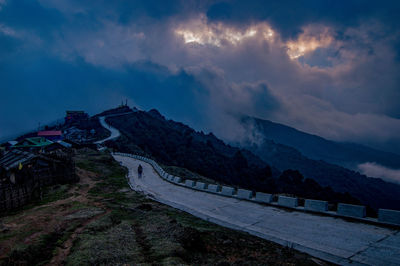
column 201, row 32
column 311, row 39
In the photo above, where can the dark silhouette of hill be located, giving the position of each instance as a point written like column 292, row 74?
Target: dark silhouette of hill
column 314, row 147
column 173, row 143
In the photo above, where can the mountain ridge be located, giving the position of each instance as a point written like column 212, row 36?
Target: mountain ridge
column 346, row 154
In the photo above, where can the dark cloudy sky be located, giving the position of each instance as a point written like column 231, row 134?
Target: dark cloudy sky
column 326, row 67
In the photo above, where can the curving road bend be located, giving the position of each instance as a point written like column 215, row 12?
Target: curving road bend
column 114, row 132
column 328, row 238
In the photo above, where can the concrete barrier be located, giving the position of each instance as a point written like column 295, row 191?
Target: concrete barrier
column 189, row 183
column 212, row 188
column 316, row 205
column 357, row 211
column 200, row 185
column 177, row 179
column 287, row 201
column 351, row 210
column 389, row 216
column 228, row 191
column 263, row 197
column 244, row 194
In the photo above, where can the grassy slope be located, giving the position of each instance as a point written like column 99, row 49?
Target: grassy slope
column 100, row 221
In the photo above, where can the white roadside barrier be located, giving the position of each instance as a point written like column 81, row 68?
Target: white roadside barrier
column 387, row 217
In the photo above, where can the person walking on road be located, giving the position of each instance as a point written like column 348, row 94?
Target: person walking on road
column 140, row 170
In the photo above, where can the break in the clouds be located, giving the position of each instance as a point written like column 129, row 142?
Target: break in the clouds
column 325, row 67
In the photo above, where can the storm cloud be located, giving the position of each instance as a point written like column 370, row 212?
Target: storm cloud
column 328, row 68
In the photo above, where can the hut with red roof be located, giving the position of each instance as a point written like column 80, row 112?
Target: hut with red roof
column 53, row 135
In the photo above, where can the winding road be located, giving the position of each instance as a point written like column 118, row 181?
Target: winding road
column 329, row 238
column 114, row 132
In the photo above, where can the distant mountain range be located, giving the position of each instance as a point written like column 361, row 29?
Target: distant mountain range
column 269, row 167
column 349, row 155
column 369, row 190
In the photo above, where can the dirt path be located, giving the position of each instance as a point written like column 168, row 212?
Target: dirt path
column 63, row 252
column 87, row 182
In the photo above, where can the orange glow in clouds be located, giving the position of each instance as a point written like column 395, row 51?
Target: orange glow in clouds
column 200, row 32
column 309, row 41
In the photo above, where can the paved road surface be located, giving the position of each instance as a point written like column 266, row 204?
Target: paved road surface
column 114, row 132
column 328, row 238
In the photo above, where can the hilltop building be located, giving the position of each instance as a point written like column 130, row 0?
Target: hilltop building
column 76, row 117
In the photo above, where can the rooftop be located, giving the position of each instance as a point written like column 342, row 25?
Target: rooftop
column 33, row 142
column 13, row 158
column 50, row 133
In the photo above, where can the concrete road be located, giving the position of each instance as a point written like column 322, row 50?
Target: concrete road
column 114, row 132
column 328, row 238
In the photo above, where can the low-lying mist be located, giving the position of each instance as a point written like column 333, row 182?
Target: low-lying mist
column 375, row 170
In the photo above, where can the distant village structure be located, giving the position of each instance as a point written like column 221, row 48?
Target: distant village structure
column 78, row 128
column 53, row 135
column 77, row 135
column 31, row 163
column 24, row 172
column 45, row 157
column 32, row 144
column 76, row 117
